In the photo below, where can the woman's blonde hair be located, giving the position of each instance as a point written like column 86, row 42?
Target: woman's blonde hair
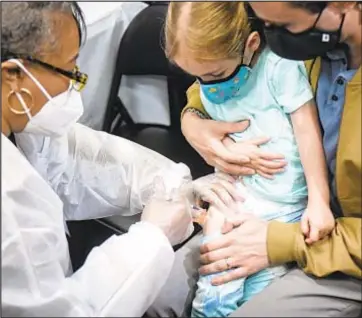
column 213, row 30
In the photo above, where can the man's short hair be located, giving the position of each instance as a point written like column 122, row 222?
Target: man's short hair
column 311, row 6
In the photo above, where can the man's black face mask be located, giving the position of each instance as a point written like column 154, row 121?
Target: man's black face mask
column 302, row 46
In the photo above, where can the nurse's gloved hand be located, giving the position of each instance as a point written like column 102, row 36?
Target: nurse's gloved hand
column 217, row 189
column 172, row 217
column 171, row 214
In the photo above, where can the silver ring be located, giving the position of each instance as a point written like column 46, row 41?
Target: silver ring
column 228, row 266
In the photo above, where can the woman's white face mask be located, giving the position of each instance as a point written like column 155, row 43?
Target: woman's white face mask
column 57, row 115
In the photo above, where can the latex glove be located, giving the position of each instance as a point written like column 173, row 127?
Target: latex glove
column 170, row 214
column 217, row 188
column 166, row 184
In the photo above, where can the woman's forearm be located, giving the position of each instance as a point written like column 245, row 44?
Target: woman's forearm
column 308, row 135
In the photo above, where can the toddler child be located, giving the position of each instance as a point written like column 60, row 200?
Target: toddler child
column 239, row 79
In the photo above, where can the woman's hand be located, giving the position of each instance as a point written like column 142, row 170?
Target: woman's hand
column 244, row 249
column 210, row 139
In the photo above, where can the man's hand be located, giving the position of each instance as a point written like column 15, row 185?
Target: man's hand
column 265, row 163
column 210, row 139
column 244, row 248
column 206, row 137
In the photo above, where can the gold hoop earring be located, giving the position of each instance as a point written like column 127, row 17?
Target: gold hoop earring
column 22, row 101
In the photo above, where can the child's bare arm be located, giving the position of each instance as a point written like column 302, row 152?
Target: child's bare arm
column 308, row 135
column 214, row 222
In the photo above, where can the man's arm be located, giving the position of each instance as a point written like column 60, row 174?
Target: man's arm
column 194, row 103
column 339, row 252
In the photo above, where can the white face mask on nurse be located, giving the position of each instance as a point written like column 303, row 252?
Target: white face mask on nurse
column 58, row 113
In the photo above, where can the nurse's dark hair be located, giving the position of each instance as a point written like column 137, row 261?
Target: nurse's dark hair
column 311, row 6
column 26, row 26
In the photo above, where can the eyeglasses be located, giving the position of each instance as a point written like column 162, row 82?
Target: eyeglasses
column 78, row 79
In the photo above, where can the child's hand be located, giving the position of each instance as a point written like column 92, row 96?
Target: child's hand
column 317, row 222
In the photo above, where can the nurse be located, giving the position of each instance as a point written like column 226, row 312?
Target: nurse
column 62, row 171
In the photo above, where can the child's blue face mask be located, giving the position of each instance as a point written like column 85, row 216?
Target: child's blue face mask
column 220, row 91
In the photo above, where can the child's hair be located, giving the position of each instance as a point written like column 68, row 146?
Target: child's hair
column 212, row 31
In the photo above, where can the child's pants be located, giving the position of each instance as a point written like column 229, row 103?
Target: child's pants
column 220, row 301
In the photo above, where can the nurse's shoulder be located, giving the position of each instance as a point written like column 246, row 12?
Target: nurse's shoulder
column 22, row 184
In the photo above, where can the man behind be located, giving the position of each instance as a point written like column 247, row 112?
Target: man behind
column 327, row 281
